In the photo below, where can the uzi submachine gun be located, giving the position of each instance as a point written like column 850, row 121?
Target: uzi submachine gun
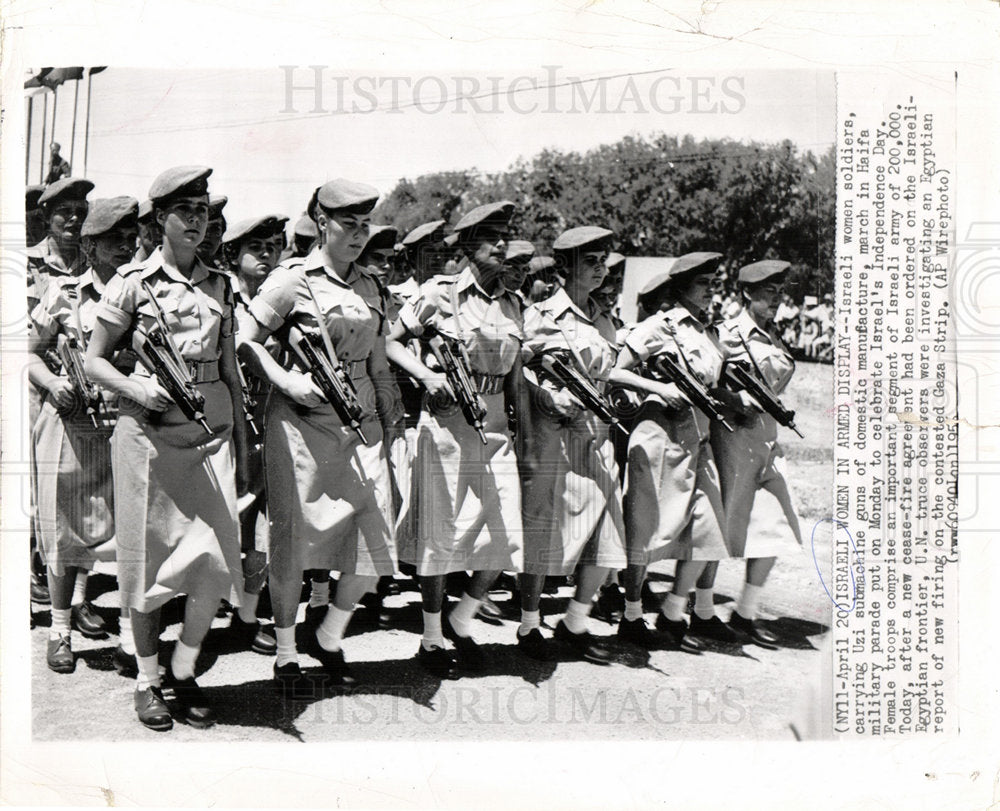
column 454, row 360
column 564, row 370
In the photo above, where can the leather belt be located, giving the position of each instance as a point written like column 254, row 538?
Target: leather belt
column 201, row 371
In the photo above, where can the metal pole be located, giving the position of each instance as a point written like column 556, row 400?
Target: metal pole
column 27, row 140
column 45, row 121
column 72, row 137
column 86, row 127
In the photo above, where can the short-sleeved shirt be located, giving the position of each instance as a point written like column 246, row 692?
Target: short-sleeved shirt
column 198, row 310
column 45, row 262
column 663, row 332
column 353, row 308
column 490, row 326
column 557, row 323
column 772, row 358
column 64, row 295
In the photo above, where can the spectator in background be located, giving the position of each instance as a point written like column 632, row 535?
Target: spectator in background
column 58, row 166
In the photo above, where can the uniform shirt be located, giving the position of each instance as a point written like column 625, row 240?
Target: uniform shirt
column 489, row 326
column 770, row 354
column 557, row 323
column 663, row 332
column 198, row 310
column 54, row 314
column 352, row 308
column 44, row 262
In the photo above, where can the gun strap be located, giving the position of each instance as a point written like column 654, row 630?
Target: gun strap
column 575, row 353
column 161, row 320
column 323, row 331
column 74, row 303
column 453, row 293
column 746, row 346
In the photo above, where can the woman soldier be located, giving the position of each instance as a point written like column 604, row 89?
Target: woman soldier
column 761, row 520
column 175, row 489
column 572, row 506
column 70, row 436
column 673, row 507
column 466, row 487
column 328, row 491
column 251, row 249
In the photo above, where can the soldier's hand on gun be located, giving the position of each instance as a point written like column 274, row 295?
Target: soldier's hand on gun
column 564, row 403
column 151, row 395
column 61, row 391
column 749, row 404
column 436, row 384
column 671, row 396
column 301, row 388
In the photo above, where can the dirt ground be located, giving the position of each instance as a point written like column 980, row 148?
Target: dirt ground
column 727, row 693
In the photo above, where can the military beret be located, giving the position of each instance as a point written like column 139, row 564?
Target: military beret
column 341, row 193
column 427, row 231
column 696, row 263
column 145, row 209
column 659, row 276
column 216, row 202
column 614, row 260
column 519, row 249
column 380, row 238
column 540, row 263
column 582, row 237
column 488, row 214
column 180, row 181
column 305, row 227
column 269, row 223
column 759, row 271
column 105, row 214
column 69, row 188
column 31, row 195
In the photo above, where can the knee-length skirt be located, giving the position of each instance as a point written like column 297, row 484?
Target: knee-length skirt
column 175, row 504
column 673, row 504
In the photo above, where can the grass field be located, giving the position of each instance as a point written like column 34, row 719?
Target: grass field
column 728, row 693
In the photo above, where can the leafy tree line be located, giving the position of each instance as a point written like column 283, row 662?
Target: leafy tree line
column 662, row 196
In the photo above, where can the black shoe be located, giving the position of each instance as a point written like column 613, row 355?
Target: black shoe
column 59, row 655
column 39, row 591
column 87, row 621
column 264, row 641
column 314, row 615
column 714, row 628
column 638, row 633
column 387, row 587
column 291, row 683
column 675, row 633
column 152, row 709
column 489, row 611
column 125, row 663
column 224, row 610
column 585, row 645
column 534, row 646
column 470, row 654
column 610, row 605
column 751, row 631
column 334, row 665
column 439, row 662
column 191, row 700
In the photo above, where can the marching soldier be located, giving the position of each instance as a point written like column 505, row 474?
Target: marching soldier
column 175, row 488
column 327, row 475
column 466, row 489
column 572, row 505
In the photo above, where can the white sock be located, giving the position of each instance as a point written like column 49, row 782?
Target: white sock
column 529, row 621
column 576, row 617
column 704, row 603
column 149, row 672
column 80, row 587
column 248, row 610
column 749, row 600
column 633, row 610
column 673, row 606
column 320, row 594
column 432, row 630
column 60, row 622
column 331, row 631
column 461, row 616
column 125, row 638
column 182, row 662
column 286, row 654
